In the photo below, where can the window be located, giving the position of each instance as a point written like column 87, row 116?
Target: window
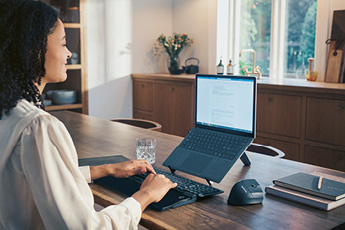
column 281, row 32
column 255, row 33
column 300, row 36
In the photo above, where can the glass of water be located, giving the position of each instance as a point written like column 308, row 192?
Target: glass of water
column 146, row 149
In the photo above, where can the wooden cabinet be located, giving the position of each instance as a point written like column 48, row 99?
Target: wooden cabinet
column 325, row 120
column 73, row 15
column 289, row 108
column 326, row 157
column 304, row 119
column 166, row 99
column 143, row 95
column 280, row 116
column 174, row 106
column 291, row 149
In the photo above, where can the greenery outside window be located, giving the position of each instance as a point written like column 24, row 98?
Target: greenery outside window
column 282, row 33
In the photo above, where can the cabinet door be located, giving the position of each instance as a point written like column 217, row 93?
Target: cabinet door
column 325, row 157
column 326, row 121
column 174, row 106
column 143, row 116
column 143, row 95
column 279, row 114
column 291, row 150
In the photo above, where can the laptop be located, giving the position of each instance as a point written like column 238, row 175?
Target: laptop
column 225, row 117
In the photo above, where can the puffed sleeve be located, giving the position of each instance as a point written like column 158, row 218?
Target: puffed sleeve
column 85, row 170
column 60, row 191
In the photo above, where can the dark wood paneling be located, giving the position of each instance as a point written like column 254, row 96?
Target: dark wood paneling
column 279, row 114
column 326, row 121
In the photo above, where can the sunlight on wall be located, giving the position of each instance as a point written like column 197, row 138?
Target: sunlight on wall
column 109, row 39
column 109, row 57
column 118, row 27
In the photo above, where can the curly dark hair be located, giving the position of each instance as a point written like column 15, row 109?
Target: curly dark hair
column 24, row 28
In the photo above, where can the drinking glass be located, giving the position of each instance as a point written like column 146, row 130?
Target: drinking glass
column 146, row 149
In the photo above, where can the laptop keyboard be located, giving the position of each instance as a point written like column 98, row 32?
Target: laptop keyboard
column 183, row 184
column 217, row 144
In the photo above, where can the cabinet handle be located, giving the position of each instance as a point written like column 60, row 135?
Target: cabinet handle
column 340, row 107
column 172, row 89
column 270, row 99
column 142, row 85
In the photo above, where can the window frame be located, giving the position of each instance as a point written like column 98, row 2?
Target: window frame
column 229, row 12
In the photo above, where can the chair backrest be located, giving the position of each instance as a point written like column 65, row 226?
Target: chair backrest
column 266, row 150
column 146, row 124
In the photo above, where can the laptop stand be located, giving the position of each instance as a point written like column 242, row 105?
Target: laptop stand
column 244, row 158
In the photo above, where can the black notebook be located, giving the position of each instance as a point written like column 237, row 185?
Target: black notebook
column 308, row 183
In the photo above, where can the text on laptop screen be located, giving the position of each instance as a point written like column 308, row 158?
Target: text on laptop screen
column 225, row 103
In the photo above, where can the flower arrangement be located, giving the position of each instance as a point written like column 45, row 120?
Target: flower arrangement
column 173, row 46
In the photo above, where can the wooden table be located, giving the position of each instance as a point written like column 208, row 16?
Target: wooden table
column 98, row 137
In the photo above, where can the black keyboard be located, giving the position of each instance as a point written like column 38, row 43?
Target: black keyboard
column 183, row 184
column 217, row 144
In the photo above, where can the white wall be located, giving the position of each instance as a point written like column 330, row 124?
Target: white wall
column 120, row 38
column 151, row 18
column 109, row 61
column 120, row 35
column 198, row 18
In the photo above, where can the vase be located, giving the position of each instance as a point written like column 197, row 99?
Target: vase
column 173, row 65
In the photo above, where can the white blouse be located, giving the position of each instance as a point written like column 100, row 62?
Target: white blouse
column 41, row 185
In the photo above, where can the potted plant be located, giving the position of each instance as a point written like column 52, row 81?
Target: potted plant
column 173, row 46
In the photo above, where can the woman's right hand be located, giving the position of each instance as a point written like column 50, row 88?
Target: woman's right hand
column 153, row 189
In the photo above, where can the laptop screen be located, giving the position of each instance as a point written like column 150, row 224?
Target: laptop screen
column 226, row 102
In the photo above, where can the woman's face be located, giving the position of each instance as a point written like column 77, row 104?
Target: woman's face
column 56, row 56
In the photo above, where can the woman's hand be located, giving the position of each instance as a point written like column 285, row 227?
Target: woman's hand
column 153, row 189
column 121, row 170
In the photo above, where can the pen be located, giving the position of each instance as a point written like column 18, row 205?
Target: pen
column 319, row 183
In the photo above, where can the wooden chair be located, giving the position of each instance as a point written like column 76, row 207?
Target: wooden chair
column 146, row 124
column 266, row 150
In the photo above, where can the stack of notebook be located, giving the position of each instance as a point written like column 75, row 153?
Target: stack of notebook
column 321, row 191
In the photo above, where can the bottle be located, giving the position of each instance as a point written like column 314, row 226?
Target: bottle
column 230, row 68
column 220, row 67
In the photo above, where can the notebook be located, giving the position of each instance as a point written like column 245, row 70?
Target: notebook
column 308, row 183
column 304, row 198
column 225, row 117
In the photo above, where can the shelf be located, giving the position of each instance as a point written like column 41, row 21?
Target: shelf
column 72, row 25
column 73, row 66
column 73, row 14
column 63, row 107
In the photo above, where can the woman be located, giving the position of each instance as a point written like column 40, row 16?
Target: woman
column 41, row 185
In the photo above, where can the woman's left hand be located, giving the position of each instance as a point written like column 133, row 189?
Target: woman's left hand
column 121, row 170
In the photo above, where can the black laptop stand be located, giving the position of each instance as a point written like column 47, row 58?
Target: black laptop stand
column 244, row 158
